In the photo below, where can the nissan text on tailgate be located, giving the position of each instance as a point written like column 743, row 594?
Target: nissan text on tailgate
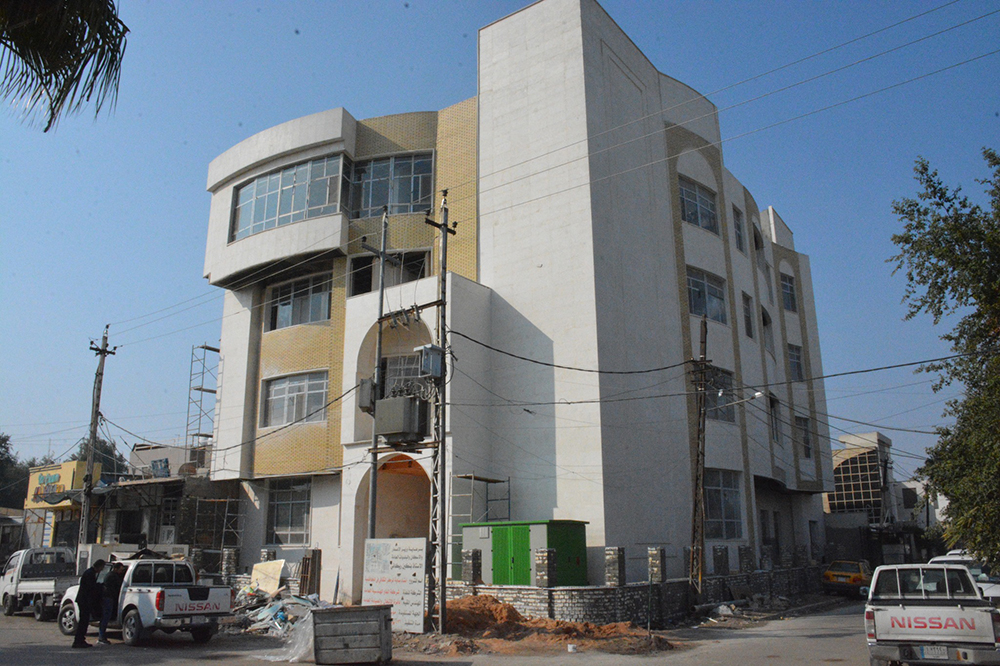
column 930, row 614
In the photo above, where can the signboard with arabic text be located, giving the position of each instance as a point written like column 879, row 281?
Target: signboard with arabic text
column 394, row 574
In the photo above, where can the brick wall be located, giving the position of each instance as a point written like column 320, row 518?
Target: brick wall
column 637, row 601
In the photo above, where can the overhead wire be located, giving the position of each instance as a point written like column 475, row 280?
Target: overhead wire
column 836, row 47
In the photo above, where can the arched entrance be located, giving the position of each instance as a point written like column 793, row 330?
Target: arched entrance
column 402, row 507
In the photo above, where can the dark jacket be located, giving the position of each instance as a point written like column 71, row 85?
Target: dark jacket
column 89, row 594
column 112, row 587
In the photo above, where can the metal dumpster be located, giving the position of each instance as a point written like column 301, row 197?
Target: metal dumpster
column 352, row 635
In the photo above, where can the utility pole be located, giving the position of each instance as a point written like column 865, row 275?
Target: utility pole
column 379, row 379
column 697, row 564
column 95, row 414
column 437, row 581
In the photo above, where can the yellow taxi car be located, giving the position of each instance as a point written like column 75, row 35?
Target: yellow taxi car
column 847, row 577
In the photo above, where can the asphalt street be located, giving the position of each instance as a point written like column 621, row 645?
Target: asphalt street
column 831, row 636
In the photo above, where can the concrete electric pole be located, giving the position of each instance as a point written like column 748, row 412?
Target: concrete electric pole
column 697, row 564
column 95, row 415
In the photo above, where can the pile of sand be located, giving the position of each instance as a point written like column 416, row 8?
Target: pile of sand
column 485, row 624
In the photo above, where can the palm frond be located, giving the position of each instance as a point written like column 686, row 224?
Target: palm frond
column 58, row 55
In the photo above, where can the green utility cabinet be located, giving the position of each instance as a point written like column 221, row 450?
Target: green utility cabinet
column 508, row 549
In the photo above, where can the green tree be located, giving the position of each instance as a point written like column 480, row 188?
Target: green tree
column 949, row 250
column 106, row 453
column 14, row 474
column 57, row 55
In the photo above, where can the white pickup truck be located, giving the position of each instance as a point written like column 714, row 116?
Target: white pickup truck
column 37, row 577
column 929, row 614
column 159, row 594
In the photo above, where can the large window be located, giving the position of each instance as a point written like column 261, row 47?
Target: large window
column 804, row 431
column 297, row 398
column 795, row 363
column 288, row 512
column 723, row 505
column 403, row 183
column 748, row 314
column 788, row 293
column 295, row 193
column 706, row 295
column 364, row 270
column 402, row 375
column 719, row 395
column 741, row 241
column 698, row 206
column 300, row 302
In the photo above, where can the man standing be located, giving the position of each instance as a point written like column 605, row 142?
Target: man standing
column 87, row 600
column 112, row 588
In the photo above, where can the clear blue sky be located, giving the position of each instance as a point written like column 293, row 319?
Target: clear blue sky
column 104, row 221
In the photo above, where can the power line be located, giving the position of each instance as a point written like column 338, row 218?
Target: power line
column 684, row 103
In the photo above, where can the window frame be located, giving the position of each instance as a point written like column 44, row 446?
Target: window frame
column 283, row 494
column 307, row 398
column 694, row 211
column 748, row 312
column 719, row 407
column 803, row 424
column 313, row 286
column 720, row 485
column 291, row 196
column 696, row 277
column 789, row 296
column 367, row 199
column 767, row 330
column 774, row 419
column 394, row 275
column 796, row 363
column 739, row 230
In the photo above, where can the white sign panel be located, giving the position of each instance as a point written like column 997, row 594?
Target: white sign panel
column 394, row 574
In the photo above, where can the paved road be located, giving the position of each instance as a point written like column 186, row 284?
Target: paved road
column 834, row 636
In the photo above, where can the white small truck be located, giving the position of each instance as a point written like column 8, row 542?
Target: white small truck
column 929, row 614
column 37, row 578
column 159, row 595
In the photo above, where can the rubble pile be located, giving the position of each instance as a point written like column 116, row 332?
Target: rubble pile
column 257, row 612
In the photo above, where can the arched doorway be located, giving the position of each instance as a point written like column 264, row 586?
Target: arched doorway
column 402, row 507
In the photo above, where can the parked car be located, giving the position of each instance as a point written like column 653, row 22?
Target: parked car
column 37, row 578
column 987, row 580
column 847, row 577
column 159, row 594
column 929, row 614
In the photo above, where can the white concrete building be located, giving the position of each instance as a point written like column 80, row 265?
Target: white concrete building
column 597, row 225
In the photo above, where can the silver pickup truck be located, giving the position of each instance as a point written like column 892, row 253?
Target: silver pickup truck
column 36, row 578
column 929, row 614
column 159, row 595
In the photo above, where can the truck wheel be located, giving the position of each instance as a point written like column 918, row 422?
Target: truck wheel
column 67, row 620
column 201, row 634
column 39, row 610
column 132, row 632
column 10, row 605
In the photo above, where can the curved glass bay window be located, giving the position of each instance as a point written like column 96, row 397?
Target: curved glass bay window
column 333, row 184
column 295, row 193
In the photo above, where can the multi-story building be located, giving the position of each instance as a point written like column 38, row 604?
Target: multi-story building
column 597, row 227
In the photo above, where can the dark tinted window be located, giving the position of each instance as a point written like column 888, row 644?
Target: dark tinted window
column 143, row 574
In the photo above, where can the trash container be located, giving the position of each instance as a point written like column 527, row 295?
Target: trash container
column 352, row 635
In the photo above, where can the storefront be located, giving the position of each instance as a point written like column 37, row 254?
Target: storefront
column 52, row 507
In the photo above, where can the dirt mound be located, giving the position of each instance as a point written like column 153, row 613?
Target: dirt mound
column 486, row 624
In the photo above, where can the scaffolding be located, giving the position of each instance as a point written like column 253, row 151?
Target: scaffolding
column 477, row 504
column 216, row 528
column 202, row 386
